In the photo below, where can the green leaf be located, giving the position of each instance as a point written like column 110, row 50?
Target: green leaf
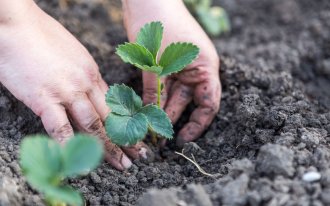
column 136, row 55
column 123, row 100
column 215, row 20
column 40, row 184
column 126, row 130
column 40, row 157
column 154, row 69
column 63, row 194
column 205, row 3
column 81, row 154
column 162, row 86
column 57, row 194
column 194, row 5
column 158, row 121
column 150, row 36
column 177, row 56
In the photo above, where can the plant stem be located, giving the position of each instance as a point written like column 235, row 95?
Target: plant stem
column 154, row 138
column 159, row 85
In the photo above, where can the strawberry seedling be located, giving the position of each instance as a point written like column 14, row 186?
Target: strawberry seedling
column 129, row 121
column 213, row 19
column 46, row 165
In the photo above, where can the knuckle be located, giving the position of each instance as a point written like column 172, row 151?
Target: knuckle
column 197, row 74
column 186, row 92
column 150, row 90
column 92, row 72
column 94, row 126
column 112, row 149
column 149, row 97
column 62, row 132
column 36, row 107
column 71, row 97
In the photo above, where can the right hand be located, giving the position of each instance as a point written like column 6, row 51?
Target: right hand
column 46, row 68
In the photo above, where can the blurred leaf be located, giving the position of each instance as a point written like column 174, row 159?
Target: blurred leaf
column 222, row 16
column 64, row 194
column 37, row 183
column 198, row 4
column 81, row 154
column 215, row 20
column 40, row 157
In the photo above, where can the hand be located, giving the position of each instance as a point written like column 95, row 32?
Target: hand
column 199, row 81
column 46, row 68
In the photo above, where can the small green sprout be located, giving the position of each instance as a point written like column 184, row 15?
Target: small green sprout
column 213, row 19
column 129, row 121
column 46, row 164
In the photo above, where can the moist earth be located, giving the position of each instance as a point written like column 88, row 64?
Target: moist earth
column 269, row 143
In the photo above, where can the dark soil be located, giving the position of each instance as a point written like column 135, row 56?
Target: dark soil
column 273, row 127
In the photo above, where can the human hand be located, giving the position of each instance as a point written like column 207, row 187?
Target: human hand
column 46, row 68
column 199, row 81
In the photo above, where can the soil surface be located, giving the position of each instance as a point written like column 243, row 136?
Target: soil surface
column 268, row 145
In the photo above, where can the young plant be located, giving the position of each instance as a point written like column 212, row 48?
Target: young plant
column 129, row 121
column 213, row 19
column 46, row 164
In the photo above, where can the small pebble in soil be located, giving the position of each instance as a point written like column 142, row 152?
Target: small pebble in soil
column 311, row 176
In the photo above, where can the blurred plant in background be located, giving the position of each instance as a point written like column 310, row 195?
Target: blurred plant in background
column 213, row 19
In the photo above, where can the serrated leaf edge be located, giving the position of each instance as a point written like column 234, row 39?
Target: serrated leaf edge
column 131, row 116
column 120, row 85
column 135, row 64
column 167, row 118
column 144, row 27
column 183, row 43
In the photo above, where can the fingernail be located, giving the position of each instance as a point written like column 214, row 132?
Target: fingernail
column 126, row 162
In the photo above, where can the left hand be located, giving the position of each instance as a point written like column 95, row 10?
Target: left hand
column 199, row 81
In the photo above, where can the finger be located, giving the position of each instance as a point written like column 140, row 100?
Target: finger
column 97, row 97
column 56, row 123
column 180, row 97
column 115, row 156
column 166, row 91
column 85, row 116
column 140, row 150
column 150, row 86
column 194, row 75
column 103, row 85
column 207, row 97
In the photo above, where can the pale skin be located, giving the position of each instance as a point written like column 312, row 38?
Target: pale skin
column 47, row 69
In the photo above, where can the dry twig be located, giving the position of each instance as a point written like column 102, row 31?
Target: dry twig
column 200, row 169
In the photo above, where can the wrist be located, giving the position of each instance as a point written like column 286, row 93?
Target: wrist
column 150, row 6
column 137, row 13
column 16, row 22
column 14, row 11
